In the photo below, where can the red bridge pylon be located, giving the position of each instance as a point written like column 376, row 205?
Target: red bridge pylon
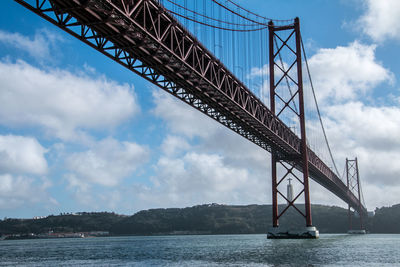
column 353, row 184
column 287, row 101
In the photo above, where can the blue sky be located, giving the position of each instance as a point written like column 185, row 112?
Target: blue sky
column 79, row 132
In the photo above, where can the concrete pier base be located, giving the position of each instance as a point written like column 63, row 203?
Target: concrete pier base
column 310, row 232
column 357, row 232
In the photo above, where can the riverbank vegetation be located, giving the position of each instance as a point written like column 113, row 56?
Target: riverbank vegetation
column 201, row 219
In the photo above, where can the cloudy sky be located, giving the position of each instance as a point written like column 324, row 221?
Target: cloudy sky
column 80, row 133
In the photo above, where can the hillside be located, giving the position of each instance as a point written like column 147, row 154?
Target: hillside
column 224, row 219
column 82, row 222
column 201, row 219
column 386, row 220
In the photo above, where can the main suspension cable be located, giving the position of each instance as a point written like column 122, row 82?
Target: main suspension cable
column 261, row 17
column 316, row 104
column 238, row 14
column 211, row 18
column 216, row 27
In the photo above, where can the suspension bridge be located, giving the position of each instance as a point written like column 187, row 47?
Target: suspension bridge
column 239, row 68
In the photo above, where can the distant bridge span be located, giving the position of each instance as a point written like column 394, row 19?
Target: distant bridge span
column 143, row 37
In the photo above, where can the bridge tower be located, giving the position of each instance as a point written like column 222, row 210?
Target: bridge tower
column 288, row 38
column 353, row 184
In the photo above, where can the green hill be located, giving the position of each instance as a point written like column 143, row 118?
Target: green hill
column 225, row 219
column 81, row 222
column 201, row 219
column 386, row 220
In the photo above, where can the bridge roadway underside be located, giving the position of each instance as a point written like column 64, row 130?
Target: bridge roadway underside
column 143, row 37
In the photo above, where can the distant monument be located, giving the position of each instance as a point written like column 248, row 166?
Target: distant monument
column 290, row 191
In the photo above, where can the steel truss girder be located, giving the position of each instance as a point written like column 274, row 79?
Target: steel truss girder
column 157, row 47
column 143, row 37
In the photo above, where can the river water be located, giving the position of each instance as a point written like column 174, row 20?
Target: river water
column 204, row 250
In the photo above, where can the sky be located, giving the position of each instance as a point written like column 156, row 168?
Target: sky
column 78, row 132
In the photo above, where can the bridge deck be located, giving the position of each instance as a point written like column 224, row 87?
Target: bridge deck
column 143, row 37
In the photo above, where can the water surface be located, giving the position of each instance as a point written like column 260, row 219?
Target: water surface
column 204, row 250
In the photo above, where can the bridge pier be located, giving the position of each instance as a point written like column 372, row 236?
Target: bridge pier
column 309, row 232
column 357, row 232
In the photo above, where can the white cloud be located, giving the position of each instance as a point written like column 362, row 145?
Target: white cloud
column 203, row 162
column 204, row 134
column 198, row 178
column 377, row 127
column 381, row 20
column 94, row 177
column 112, row 200
column 197, row 171
column 37, row 47
column 321, row 195
column 17, row 191
column 22, row 160
column 62, row 103
column 259, row 72
column 22, row 155
column 371, row 134
column 77, row 184
column 345, row 72
column 181, row 118
column 379, row 196
column 172, row 145
column 106, row 163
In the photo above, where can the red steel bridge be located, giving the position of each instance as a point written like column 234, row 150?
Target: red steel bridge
column 148, row 39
